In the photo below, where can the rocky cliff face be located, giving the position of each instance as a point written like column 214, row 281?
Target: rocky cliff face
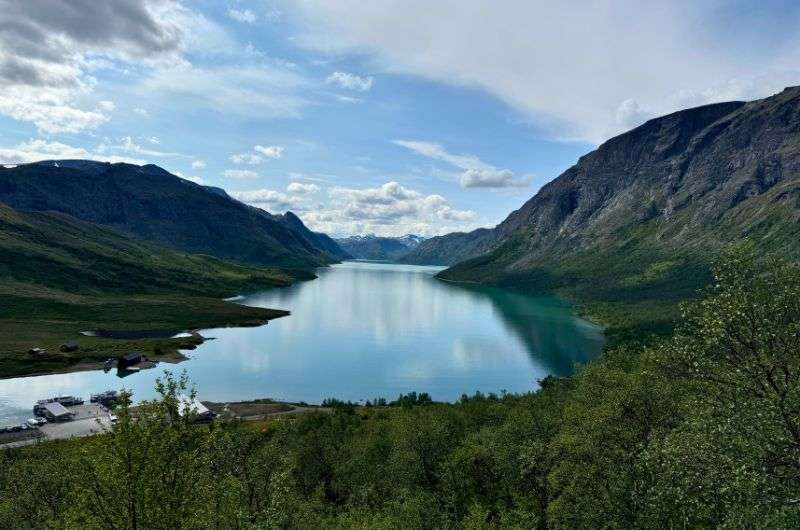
column 681, row 185
column 152, row 204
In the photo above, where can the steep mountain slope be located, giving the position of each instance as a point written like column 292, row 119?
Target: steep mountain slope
column 316, row 239
column 451, row 248
column 60, row 252
column 638, row 218
column 154, row 205
column 379, row 248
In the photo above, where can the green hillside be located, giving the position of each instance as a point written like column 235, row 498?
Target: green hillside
column 60, row 276
column 154, row 205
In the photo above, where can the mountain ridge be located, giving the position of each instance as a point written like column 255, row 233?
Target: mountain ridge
column 372, row 247
column 152, row 204
column 647, row 208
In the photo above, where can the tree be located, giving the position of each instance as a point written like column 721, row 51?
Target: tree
column 736, row 459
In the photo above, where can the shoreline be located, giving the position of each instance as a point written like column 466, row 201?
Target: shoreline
column 171, row 348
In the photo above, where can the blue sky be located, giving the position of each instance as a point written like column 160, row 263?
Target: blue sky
column 388, row 116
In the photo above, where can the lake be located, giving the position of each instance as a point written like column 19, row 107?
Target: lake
column 360, row 331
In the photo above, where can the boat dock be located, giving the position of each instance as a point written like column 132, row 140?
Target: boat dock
column 66, row 418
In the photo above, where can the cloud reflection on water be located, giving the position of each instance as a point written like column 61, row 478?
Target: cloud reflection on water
column 364, row 330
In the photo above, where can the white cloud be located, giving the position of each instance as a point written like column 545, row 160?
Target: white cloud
column 242, row 15
column 198, row 164
column 390, row 209
column 348, row 99
column 437, row 152
column 141, row 112
column 51, row 110
column 127, row 144
column 48, row 46
column 154, row 140
column 568, row 67
column 300, row 188
column 246, row 158
column 264, row 90
column 350, row 81
column 491, row 178
column 475, row 172
column 241, row 174
column 271, row 200
column 35, row 150
column 269, row 151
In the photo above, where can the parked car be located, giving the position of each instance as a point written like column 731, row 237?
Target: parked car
column 112, row 418
column 36, row 422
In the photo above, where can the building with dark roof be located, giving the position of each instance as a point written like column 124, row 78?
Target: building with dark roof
column 129, row 359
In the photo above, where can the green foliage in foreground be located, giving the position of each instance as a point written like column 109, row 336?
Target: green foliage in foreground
column 698, row 431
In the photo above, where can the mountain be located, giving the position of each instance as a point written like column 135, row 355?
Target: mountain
column 152, row 204
column 451, row 248
column 318, row 240
column 639, row 217
column 379, row 248
column 60, row 252
column 411, row 240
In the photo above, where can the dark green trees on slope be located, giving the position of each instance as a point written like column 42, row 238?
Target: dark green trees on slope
column 698, row 431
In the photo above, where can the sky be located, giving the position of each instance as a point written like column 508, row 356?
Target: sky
column 387, row 116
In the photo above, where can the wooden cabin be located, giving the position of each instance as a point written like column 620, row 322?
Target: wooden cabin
column 129, row 359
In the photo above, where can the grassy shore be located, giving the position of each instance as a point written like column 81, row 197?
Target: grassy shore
column 60, row 277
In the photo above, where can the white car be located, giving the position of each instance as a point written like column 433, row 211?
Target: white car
column 112, row 418
column 36, row 422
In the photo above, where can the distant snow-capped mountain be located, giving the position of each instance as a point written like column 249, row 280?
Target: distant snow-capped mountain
column 370, row 246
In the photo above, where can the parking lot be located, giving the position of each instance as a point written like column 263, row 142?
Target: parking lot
column 88, row 419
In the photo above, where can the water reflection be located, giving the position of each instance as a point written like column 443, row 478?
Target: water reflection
column 360, row 331
column 545, row 325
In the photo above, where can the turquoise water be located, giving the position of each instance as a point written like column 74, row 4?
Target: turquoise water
column 360, row 331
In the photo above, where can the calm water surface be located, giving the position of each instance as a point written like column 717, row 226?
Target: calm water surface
column 362, row 330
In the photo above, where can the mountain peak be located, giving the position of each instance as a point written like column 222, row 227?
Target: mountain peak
column 371, row 246
column 685, row 183
column 154, row 205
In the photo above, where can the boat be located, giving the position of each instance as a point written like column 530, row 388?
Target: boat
column 67, row 401
column 106, row 398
